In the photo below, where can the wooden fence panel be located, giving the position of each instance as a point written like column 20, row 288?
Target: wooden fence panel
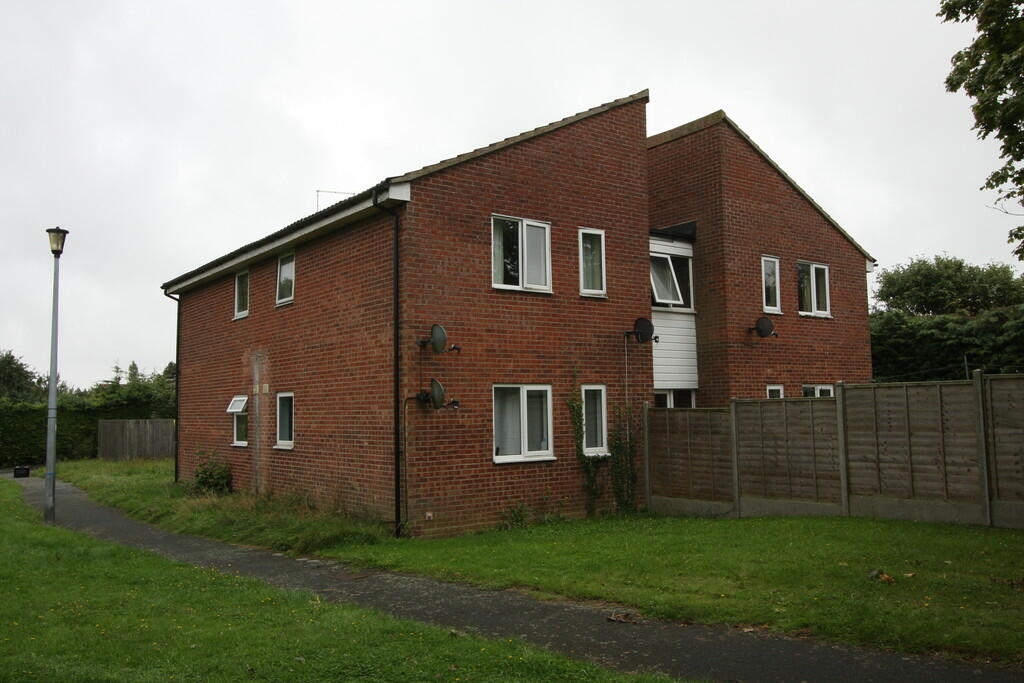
column 136, row 439
column 1005, row 395
column 917, row 442
column 960, row 442
column 690, row 456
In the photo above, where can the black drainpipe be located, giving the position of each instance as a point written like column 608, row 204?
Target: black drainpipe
column 177, row 375
column 397, row 357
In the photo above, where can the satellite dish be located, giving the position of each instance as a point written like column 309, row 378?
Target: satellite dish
column 764, row 328
column 643, row 330
column 436, row 390
column 438, row 340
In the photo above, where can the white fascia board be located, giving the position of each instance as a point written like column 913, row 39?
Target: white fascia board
column 398, row 192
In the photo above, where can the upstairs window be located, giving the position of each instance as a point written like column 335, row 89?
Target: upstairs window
column 240, row 418
column 770, row 284
column 242, row 294
column 522, row 422
column 286, row 278
column 671, row 281
column 592, row 262
column 812, row 283
column 520, row 254
column 595, row 420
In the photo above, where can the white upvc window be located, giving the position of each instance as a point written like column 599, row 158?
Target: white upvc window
column 770, row 284
column 595, row 419
column 240, row 420
column 672, row 280
column 522, row 423
column 520, row 254
column 241, row 294
column 818, row 391
column 592, row 263
column 285, row 420
column 675, row 398
column 775, row 391
column 812, row 288
column 286, row 278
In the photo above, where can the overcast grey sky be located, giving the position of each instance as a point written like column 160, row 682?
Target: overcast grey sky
column 164, row 134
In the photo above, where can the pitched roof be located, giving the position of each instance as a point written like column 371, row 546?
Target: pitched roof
column 643, row 95
column 349, row 205
column 720, row 117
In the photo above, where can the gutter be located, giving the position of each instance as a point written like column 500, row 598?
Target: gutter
column 177, row 377
column 396, row 387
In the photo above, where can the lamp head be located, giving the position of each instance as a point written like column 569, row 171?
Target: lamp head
column 56, row 236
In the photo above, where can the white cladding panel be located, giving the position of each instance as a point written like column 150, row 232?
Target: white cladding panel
column 675, row 354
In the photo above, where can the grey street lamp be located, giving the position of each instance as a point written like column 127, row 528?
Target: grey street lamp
column 56, row 236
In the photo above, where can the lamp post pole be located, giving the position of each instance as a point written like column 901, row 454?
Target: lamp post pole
column 56, row 237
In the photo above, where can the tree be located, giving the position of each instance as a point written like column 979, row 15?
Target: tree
column 19, row 382
column 947, row 284
column 991, row 71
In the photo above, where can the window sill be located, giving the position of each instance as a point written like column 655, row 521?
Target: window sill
column 524, row 290
column 602, row 454
column 239, row 444
column 283, row 446
column 805, row 314
column 239, row 316
column 509, row 459
column 666, row 309
column 594, row 295
column 770, row 312
column 286, row 302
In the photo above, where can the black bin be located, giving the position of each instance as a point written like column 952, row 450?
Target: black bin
column 20, row 471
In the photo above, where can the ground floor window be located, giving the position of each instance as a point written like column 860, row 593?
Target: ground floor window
column 522, row 422
column 240, row 420
column 776, row 391
column 675, row 398
column 285, row 420
column 595, row 420
column 817, row 391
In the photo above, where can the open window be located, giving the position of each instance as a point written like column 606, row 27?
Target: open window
column 812, row 283
column 240, row 420
column 520, row 254
column 671, row 281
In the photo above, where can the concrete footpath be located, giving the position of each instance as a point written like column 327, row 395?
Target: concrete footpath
column 584, row 631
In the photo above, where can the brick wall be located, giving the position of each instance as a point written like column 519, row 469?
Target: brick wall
column 590, row 174
column 745, row 209
column 331, row 346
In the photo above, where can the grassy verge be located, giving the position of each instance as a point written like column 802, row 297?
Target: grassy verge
column 79, row 609
column 956, row 588
column 145, row 489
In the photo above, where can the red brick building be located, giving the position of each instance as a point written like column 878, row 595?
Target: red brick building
column 302, row 357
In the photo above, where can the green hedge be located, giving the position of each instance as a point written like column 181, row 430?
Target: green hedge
column 23, row 428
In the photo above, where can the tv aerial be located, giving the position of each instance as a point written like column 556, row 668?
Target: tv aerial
column 764, row 328
column 435, row 396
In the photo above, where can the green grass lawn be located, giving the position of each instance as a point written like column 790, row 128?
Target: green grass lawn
column 953, row 591
column 75, row 608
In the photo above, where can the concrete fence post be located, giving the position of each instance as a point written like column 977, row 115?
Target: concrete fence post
column 982, row 447
column 734, row 446
column 844, row 461
column 647, row 455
